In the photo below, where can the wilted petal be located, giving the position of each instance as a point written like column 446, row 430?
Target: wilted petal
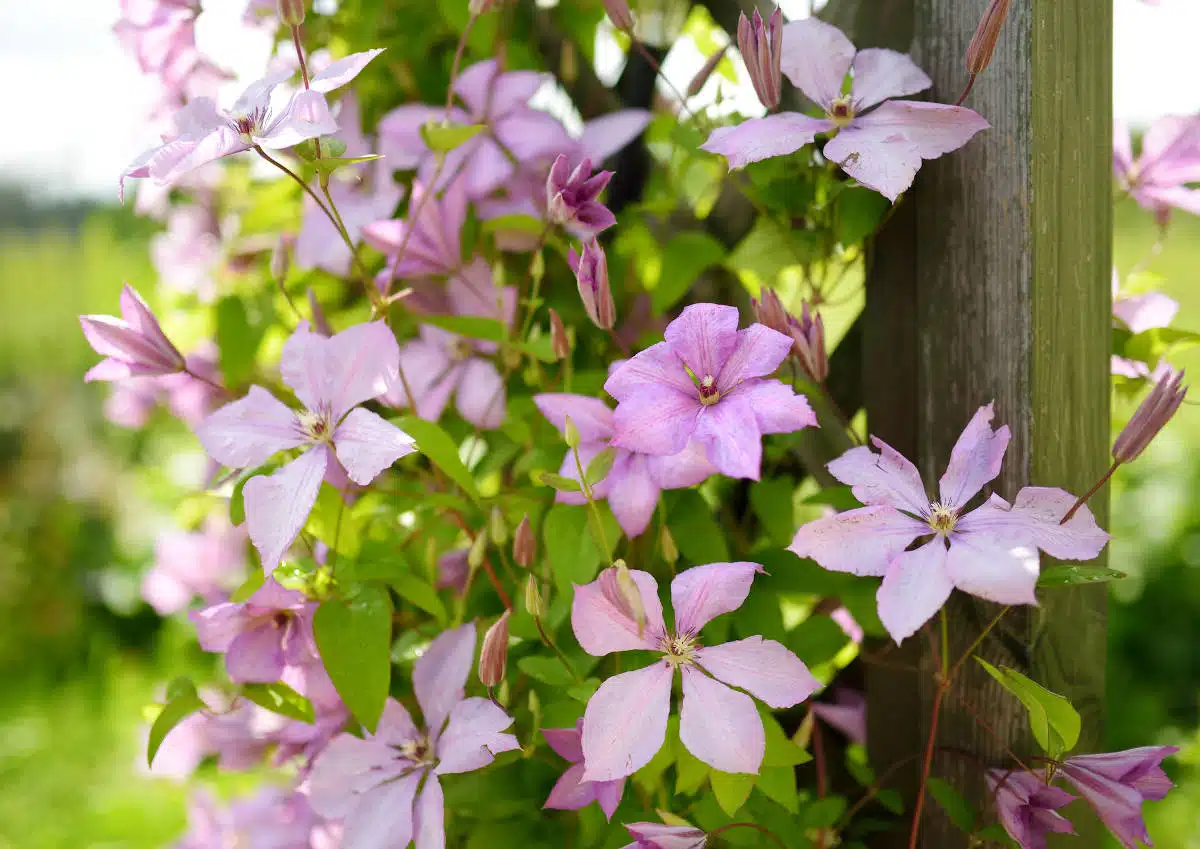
column 429, row 816
column 861, row 541
column 277, row 505
column 382, row 817
column 762, row 138
column 591, row 416
column 703, row 593
column 625, row 723
column 655, row 420
column 474, row 736
column 704, row 336
column 481, row 397
column 1034, row 519
column 341, row 371
column 763, row 668
column 816, row 57
column 632, row 493
column 248, row 431
column 884, row 478
column 720, row 726
column 440, row 674
column 1003, row 572
column 601, row 627
column 729, row 432
column 914, row 588
column 880, row 74
column 975, row 460
column 256, row 655
column 367, row 444
column 338, row 73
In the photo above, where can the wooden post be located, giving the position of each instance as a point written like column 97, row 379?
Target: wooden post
column 993, row 285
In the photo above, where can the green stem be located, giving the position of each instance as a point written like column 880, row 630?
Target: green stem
column 587, row 493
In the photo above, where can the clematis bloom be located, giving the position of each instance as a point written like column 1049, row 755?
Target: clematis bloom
column 882, row 148
column 571, row 197
column 1027, row 807
column 1116, row 784
column 990, row 552
column 1169, row 159
column 652, row 835
column 572, row 792
column 706, row 382
column 133, row 345
column 331, row 377
column 372, row 782
column 201, row 563
column 625, row 722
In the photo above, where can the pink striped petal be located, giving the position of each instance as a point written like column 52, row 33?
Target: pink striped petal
column 601, row 627
column 975, row 460
column 571, row 792
column 763, row 138
column 816, row 57
column 440, row 674
column 1034, row 519
column 591, row 416
column 632, row 493
column 366, row 444
column 704, row 336
column 763, row 668
column 248, row 431
column 474, row 736
column 656, row 367
column 625, row 722
column 862, row 541
column 703, row 593
column 720, row 726
column 729, row 432
column 382, row 817
column 880, row 74
column 429, row 816
column 884, row 478
column 655, row 420
column 1003, row 572
column 337, row 74
column 915, row 587
column 277, row 505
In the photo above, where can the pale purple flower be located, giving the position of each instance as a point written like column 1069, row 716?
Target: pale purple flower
column 1116, row 784
column 571, row 197
column 362, row 194
column 133, row 345
column 131, row 401
column 625, row 722
column 371, row 783
column 1027, row 807
column 1137, row 314
column 434, row 249
column 331, row 377
column 706, row 382
column 237, row 732
column 452, row 571
column 633, row 485
column 260, row 636
column 161, row 35
column 440, row 364
column 882, row 148
column 591, row 275
column 203, row 132
column 571, row 792
column 497, row 100
column 273, row 818
column 188, row 254
column 1169, row 159
column 990, row 552
column 205, row 563
column 847, row 712
column 652, row 835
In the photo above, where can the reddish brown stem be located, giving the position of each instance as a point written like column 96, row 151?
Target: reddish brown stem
column 495, row 581
column 930, row 744
column 1083, row 499
column 819, row 759
column 966, row 91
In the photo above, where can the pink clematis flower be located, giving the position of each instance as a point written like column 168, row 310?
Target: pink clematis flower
column 633, row 485
column 1170, row 159
column 1116, row 785
column 882, row 148
column 372, row 782
column 273, row 818
column 204, row 563
column 571, row 197
column 1027, row 807
column 990, row 552
column 1137, row 314
column 572, row 792
column 434, row 249
column 847, row 712
column 441, row 364
column 259, row 637
column 133, row 345
column 189, row 252
column 625, row 722
column 203, row 132
column 652, row 835
column 705, row 382
column 331, row 377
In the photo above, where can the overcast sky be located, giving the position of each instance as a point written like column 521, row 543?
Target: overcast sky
column 74, row 102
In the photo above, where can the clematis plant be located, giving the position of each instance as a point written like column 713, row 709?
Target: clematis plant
column 572, row 792
column 1157, row 177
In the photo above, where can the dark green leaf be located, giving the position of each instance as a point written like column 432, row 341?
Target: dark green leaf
column 859, row 211
column 333, row 163
column 778, row 783
column 838, row 497
column 522, row 223
column 334, row 523
column 249, row 587
column 548, row 670
column 1062, row 575
column 239, row 333
column 696, row 532
column 354, row 636
column 281, row 699
column 600, row 465
column 772, row 503
column 182, row 702
column 573, row 553
column 824, row 812
column 1055, row 723
column 683, row 259
column 435, row 444
column 956, row 807
column 419, row 593
column 472, row 326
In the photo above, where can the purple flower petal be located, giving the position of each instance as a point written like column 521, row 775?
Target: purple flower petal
column 591, row 416
column 440, row 674
column 720, row 726
column 975, row 460
column 337, row 373
column 704, row 336
column 338, row 73
column 914, row 588
column 861, row 541
column 382, row 816
column 277, row 505
column 625, row 722
column 880, row 74
column 729, row 432
column 1003, row 572
column 473, row 736
column 256, row 655
column 571, row 792
column 566, row 741
column 601, row 627
column 632, row 493
column 481, row 398
column 702, row 593
column 1122, row 148
column 246, row 432
column 395, row 725
column 307, row 117
column 429, row 816
column 884, row 478
column 367, row 444
column 655, row 420
column 604, row 136
column 431, row 376
column 757, row 352
column 1138, row 768
column 489, row 91
column 764, row 668
column 336, row 779
column 608, row 795
column 763, row 138
column 678, row 471
column 1144, row 312
column 1118, row 805
column 777, row 407
column 219, row 625
column 654, row 367
column 816, row 57
column 1034, row 519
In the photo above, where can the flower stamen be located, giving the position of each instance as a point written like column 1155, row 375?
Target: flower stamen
column 942, row 518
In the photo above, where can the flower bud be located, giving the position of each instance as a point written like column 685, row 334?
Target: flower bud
column 571, row 197
column 619, row 14
column 591, row 274
column 705, row 72
column 760, row 45
column 537, row 267
column 622, row 592
column 570, row 432
column 493, row 656
column 497, row 527
column 670, row 551
column 983, row 42
column 559, row 341
column 281, row 257
column 524, row 544
column 533, row 599
column 770, row 311
column 809, row 345
column 477, row 551
column 1155, row 411
column 291, row 12
column 319, row 319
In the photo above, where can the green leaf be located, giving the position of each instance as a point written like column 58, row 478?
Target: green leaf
column 696, row 532
column 778, row 783
column 995, row 833
column 649, row 777
column 354, row 636
column 313, row 150
column 435, row 444
column 330, row 164
column 573, row 553
column 600, row 465
column 182, row 702
column 334, row 523
column 683, row 259
column 249, row 587
column 956, row 807
column 1062, row 575
column 584, row 690
column 472, row 326
column 1055, row 723
column 522, row 223
column 772, row 503
column 780, row 750
column 443, row 137
column 840, row 498
column 859, row 211
column 548, row 670
column 732, row 789
column 418, row 593
column 238, row 337
column 824, row 812
column 558, row 482
column 690, row 771
column 281, row 699
column 891, row 799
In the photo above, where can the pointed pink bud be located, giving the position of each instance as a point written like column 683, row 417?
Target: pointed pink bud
column 291, row 12
column 760, row 44
column 560, row 343
column 493, row 656
column 133, row 345
column 619, row 14
column 705, row 72
column 319, row 319
column 571, row 197
column 622, row 592
column 983, row 43
column 770, row 312
column 1155, row 411
column 591, row 273
column 524, row 544
column 807, row 332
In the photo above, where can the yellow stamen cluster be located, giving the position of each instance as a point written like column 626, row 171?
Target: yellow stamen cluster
column 942, row 519
column 679, row 649
column 841, row 111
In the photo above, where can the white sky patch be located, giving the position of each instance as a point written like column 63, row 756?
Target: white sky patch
column 77, row 104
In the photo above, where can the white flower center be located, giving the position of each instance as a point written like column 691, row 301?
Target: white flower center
column 418, row 751
column 679, row 650
column 841, row 111
column 315, row 425
column 942, row 518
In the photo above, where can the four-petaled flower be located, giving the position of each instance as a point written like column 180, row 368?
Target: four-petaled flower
column 331, row 377
column 882, row 148
column 1116, row 784
column 705, row 382
column 1027, row 806
column 625, row 722
column 372, row 782
column 991, row 551
column 571, row 792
